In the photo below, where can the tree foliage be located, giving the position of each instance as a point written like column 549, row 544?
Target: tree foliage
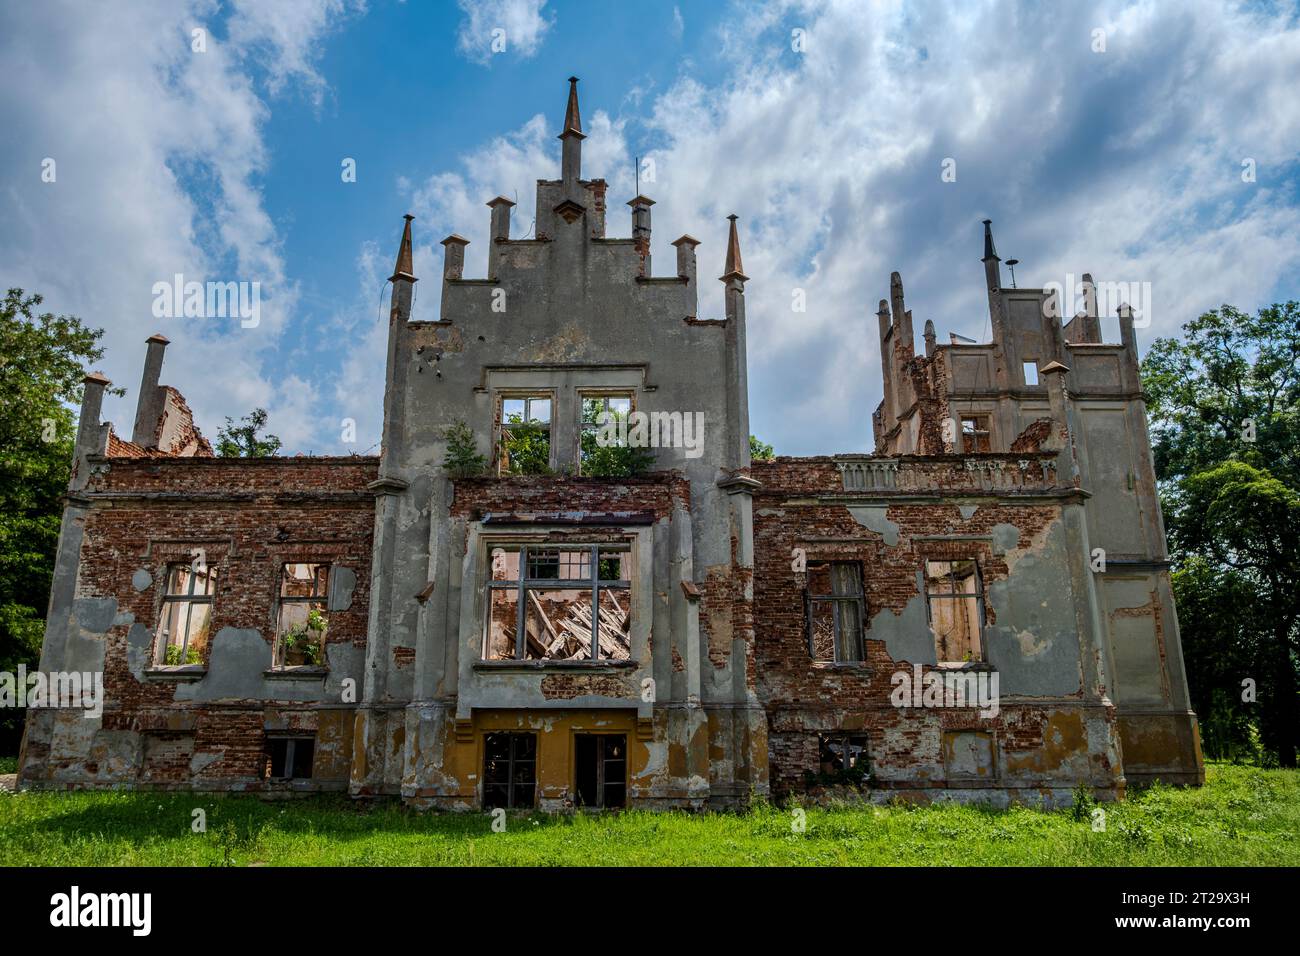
column 760, row 450
column 43, row 360
column 1225, row 420
column 244, row 440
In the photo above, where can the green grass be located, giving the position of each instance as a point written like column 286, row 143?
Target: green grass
column 1243, row 817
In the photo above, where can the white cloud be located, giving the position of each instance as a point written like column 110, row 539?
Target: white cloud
column 159, row 154
column 1125, row 164
column 492, row 27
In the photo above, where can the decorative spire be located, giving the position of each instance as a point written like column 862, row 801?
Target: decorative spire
column 405, row 268
column 989, row 251
column 733, row 268
column 572, row 118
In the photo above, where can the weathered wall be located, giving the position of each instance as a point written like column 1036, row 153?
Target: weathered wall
column 1054, row 730
column 203, row 727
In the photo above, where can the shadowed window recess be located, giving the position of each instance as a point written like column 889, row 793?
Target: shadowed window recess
column 290, row 757
column 509, row 771
column 834, row 608
column 601, row 769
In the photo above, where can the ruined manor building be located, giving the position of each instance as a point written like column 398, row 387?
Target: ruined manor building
column 978, row 610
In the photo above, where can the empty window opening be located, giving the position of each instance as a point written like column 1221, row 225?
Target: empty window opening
column 509, row 770
column 545, row 603
column 303, row 621
column 290, row 758
column 839, row 753
column 597, row 410
column 524, row 440
column 600, row 761
column 954, row 601
column 975, row 433
column 186, row 615
column 1031, row 373
column 833, row 603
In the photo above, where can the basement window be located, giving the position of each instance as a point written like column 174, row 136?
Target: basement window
column 540, row 603
column 303, row 621
column 834, row 609
column 598, row 409
column 975, row 433
column 290, row 758
column 600, row 762
column 954, row 601
column 509, row 771
column 186, row 615
column 838, row 752
column 524, row 438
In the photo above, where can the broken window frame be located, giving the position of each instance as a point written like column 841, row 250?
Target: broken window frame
column 291, row 744
column 603, row 762
column 603, row 396
column 189, row 598
column 547, row 427
column 323, row 573
column 846, row 741
column 524, row 585
column 979, row 434
column 856, row 601
column 513, row 760
column 953, row 594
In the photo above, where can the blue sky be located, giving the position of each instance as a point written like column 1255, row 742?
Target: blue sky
column 1124, row 160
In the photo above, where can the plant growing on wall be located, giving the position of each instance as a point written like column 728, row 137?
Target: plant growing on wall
column 462, row 459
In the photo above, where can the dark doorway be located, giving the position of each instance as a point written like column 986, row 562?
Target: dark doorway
column 601, row 763
column 509, row 770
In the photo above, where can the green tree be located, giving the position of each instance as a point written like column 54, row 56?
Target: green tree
column 43, row 359
column 243, row 440
column 759, row 450
column 1225, row 423
column 1247, row 523
column 1231, row 390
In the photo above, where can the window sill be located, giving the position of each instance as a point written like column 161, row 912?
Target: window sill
column 296, row 673
column 841, row 666
column 965, row 666
column 555, row 665
column 176, row 672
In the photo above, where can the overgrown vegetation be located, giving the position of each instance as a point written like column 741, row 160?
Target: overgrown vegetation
column 1225, row 424
column 1243, row 817
column 760, row 450
column 462, row 459
column 245, row 439
column 43, row 360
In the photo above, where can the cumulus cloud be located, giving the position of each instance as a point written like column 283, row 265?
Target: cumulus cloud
column 1125, row 163
column 158, row 156
column 490, row 27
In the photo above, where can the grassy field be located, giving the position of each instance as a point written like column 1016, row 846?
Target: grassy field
column 1243, row 817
